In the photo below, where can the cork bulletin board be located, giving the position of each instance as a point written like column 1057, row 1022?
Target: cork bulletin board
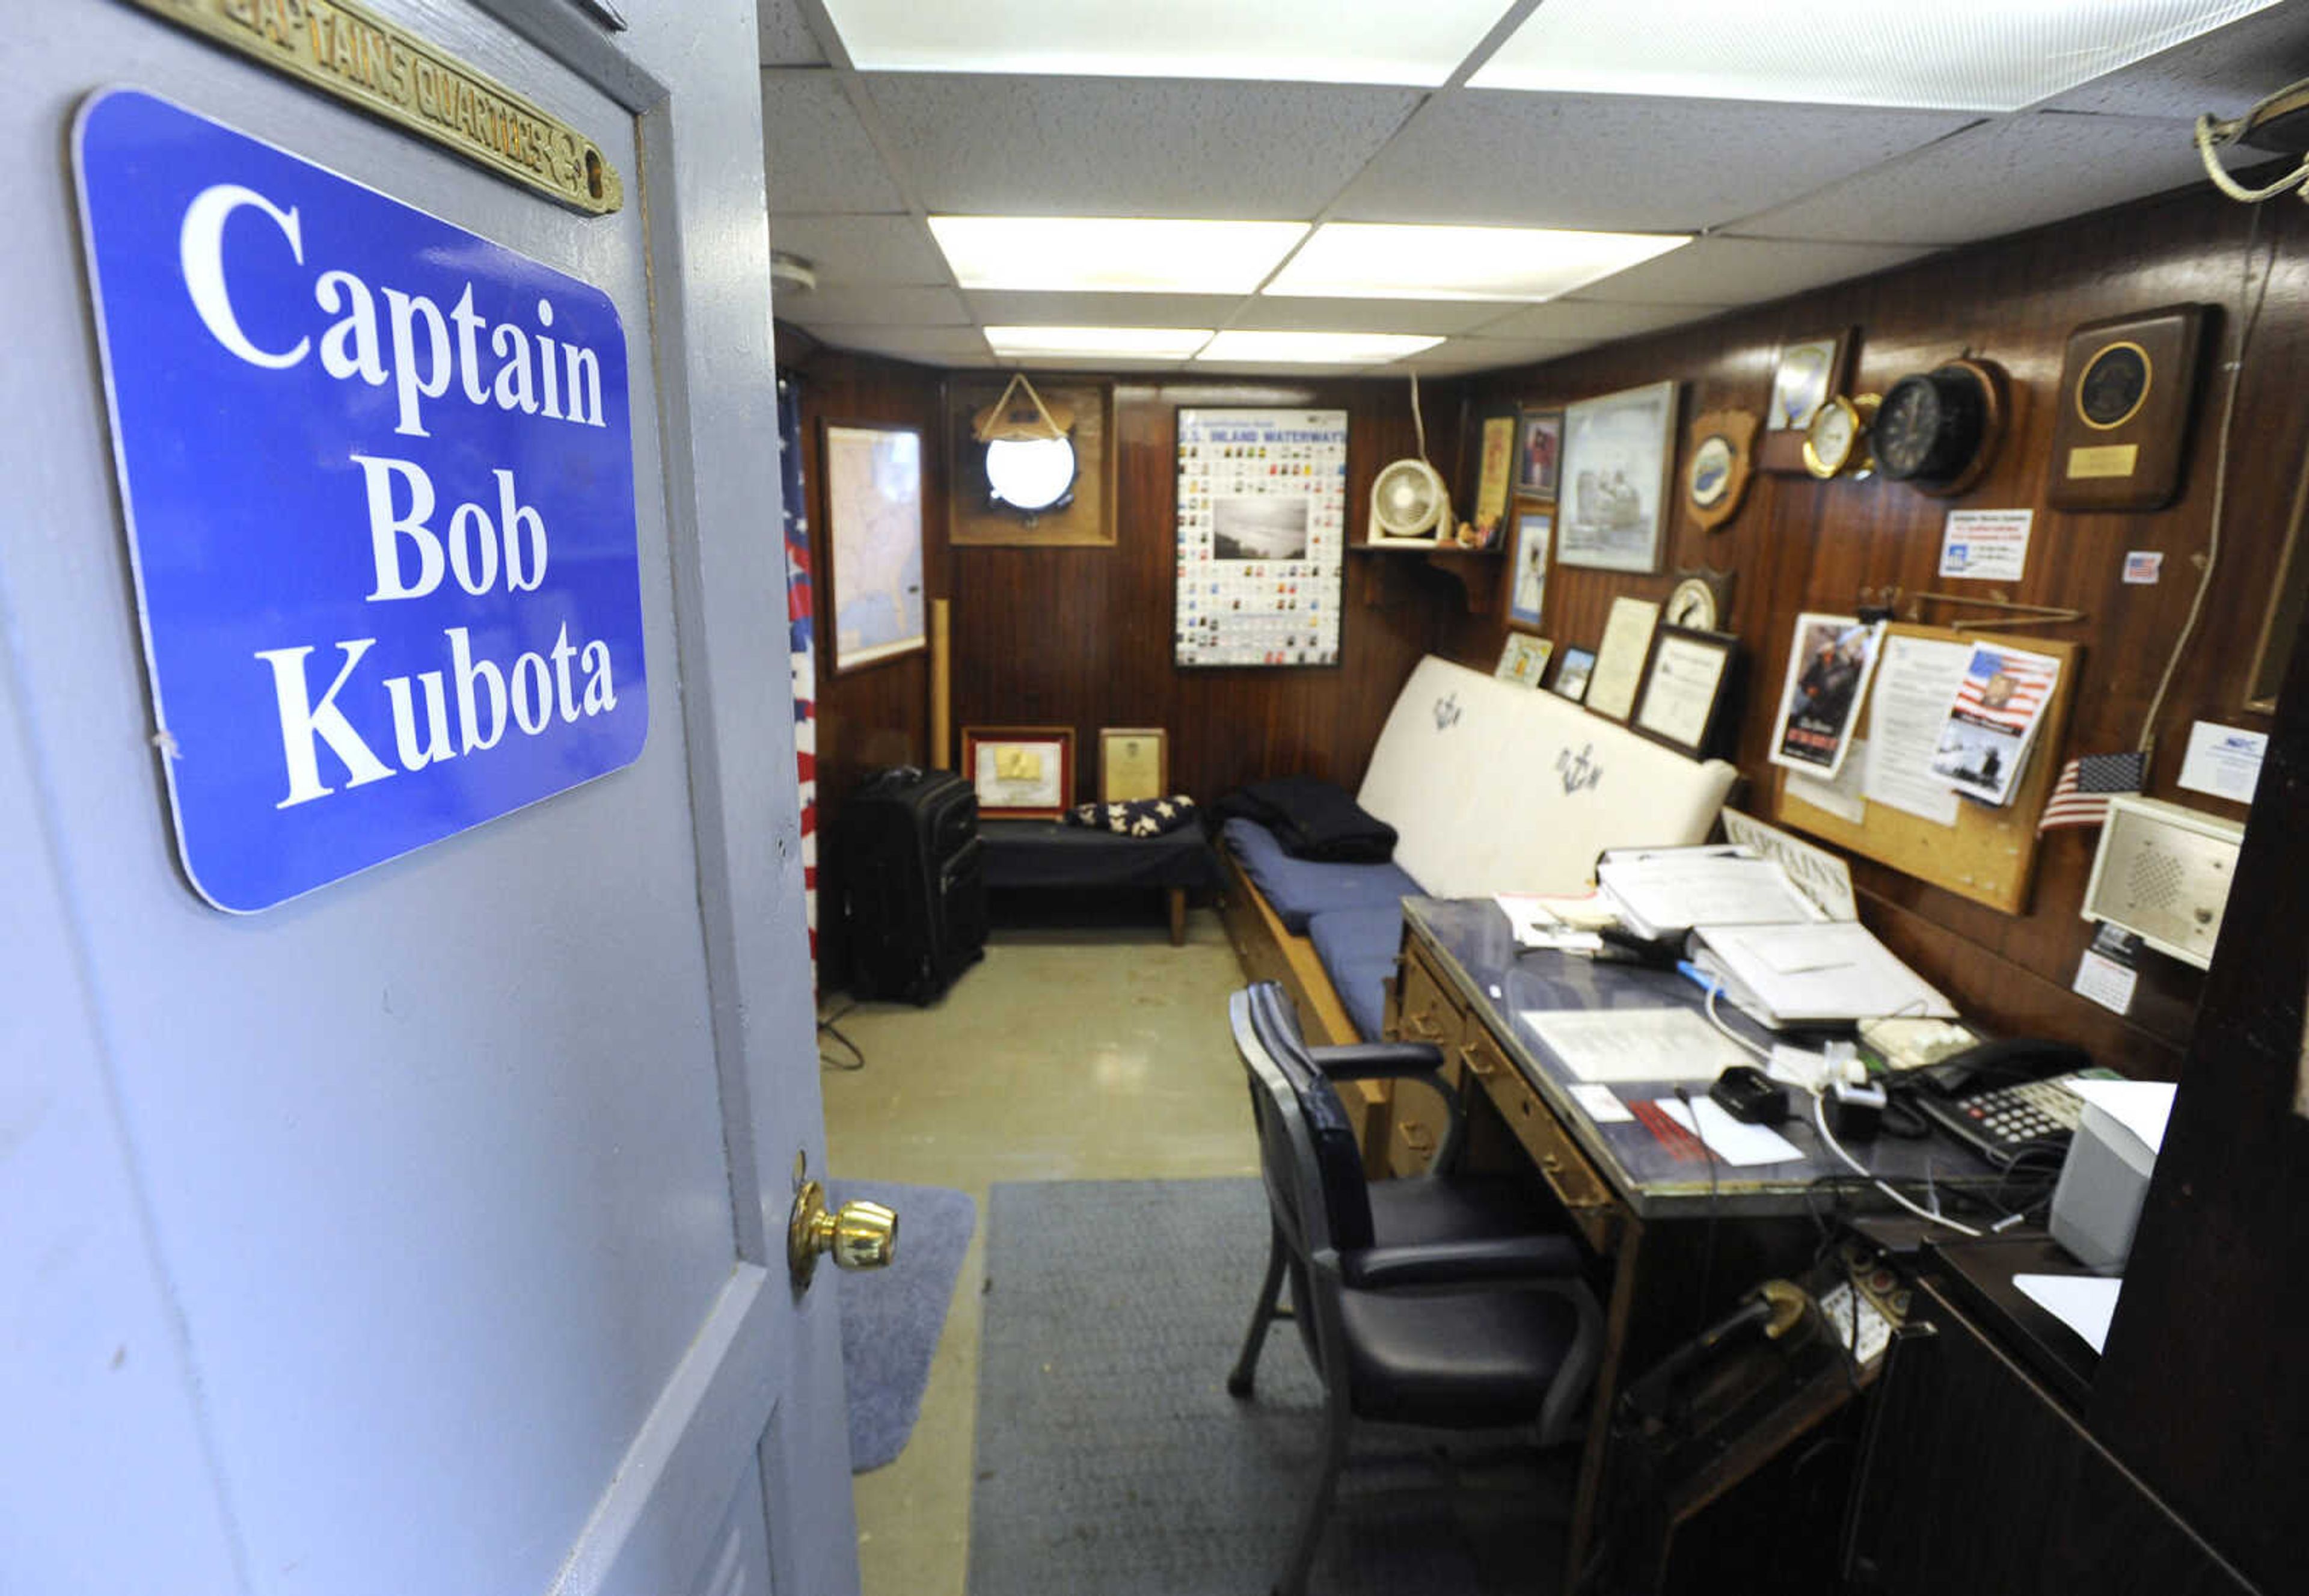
column 1989, row 855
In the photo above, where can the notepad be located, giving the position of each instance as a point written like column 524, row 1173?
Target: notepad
column 1667, row 892
column 1633, row 1044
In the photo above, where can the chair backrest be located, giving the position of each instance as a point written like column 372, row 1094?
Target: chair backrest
column 1313, row 1167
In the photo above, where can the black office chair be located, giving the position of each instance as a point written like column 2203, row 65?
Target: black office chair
column 1430, row 1300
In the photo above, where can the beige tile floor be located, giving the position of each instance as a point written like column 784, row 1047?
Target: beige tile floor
column 1067, row 1055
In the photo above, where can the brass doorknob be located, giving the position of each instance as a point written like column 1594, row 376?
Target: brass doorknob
column 859, row 1235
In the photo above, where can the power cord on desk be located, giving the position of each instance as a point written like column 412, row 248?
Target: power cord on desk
column 1708, row 1237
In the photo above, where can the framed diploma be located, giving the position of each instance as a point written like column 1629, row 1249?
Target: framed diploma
column 1687, row 691
column 1020, row 773
column 1133, row 762
column 1620, row 658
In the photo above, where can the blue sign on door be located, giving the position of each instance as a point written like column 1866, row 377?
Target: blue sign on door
column 379, row 484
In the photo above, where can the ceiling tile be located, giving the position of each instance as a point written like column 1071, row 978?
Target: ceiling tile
column 2222, row 73
column 1034, row 146
column 835, row 306
column 786, row 39
column 818, row 155
column 1490, row 354
column 885, row 251
column 1999, row 178
column 997, row 308
column 1711, row 271
column 1619, row 161
column 1275, row 313
column 1586, row 318
column 935, row 346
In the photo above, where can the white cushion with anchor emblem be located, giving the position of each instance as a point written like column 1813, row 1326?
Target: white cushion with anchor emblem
column 1499, row 788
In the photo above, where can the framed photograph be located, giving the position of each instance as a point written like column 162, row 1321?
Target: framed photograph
column 1830, row 660
column 1810, row 371
column 1523, row 659
column 873, row 477
column 1620, row 658
column 1020, row 773
column 1687, row 691
column 1571, row 675
column 1619, row 452
column 1528, row 570
column 1495, row 477
column 1539, row 451
column 1133, row 762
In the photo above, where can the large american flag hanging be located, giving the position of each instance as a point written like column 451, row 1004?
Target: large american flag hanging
column 800, row 643
column 2080, row 797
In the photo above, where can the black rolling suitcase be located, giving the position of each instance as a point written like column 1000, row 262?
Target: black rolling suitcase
column 914, row 887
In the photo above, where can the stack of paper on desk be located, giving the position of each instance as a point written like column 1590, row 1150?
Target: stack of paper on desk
column 1668, row 891
column 1824, row 974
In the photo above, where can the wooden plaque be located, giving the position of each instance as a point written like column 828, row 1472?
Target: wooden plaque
column 1989, row 855
column 2121, row 429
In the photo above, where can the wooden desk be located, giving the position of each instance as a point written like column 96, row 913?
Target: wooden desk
column 1650, row 1218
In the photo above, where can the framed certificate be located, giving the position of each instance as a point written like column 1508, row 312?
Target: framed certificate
column 1133, row 762
column 1687, row 689
column 1020, row 773
column 1620, row 658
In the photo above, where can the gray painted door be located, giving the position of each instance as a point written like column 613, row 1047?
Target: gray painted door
column 425, row 1234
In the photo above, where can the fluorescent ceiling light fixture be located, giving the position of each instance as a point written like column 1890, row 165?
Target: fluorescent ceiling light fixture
column 1108, row 343
column 1317, row 349
column 1308, row 41
column 1114, row 254
column 1360, row 260
column 1940, row 54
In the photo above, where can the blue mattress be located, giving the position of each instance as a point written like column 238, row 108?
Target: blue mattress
column 1301, row 888
column 1358, row 948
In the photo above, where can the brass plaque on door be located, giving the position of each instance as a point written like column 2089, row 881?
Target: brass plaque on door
column 348, row 51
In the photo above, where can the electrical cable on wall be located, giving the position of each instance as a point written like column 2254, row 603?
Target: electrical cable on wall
column 2248, row 318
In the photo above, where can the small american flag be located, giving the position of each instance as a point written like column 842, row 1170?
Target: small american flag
column 2080, row 797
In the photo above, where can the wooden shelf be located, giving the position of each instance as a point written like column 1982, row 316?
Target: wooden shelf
column 1479, row 588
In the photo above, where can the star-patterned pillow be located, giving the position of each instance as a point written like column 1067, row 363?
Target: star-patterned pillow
column 1140, row 817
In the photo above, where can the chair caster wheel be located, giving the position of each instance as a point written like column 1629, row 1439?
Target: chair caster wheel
column 1238, row 1386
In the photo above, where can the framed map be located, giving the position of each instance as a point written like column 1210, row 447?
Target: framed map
column 874, row 536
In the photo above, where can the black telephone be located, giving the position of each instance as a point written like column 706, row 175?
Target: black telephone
column 2005, row 1099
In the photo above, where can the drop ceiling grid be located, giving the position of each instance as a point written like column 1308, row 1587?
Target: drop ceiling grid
column 1793, row 197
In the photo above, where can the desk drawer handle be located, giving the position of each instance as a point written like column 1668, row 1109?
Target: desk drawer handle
column 1418, row 1138
column 1423, row 1024
column 1472, row 1057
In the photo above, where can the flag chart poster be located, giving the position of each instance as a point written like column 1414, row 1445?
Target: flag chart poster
column 378, row 476
column 1262, row 536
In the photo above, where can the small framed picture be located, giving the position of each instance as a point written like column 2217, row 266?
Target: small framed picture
column 1687, row 689
column 1020, row 773
column 1524, row 660
column 1133, row 762
column 1494, row 480
column 1571, row 675
column 1527, row 569
column 1539, row 450
column 1810, row 373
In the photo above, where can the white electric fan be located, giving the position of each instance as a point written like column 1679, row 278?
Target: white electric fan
column 1409, row 502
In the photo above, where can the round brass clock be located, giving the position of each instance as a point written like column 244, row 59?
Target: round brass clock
column 1836, row 441
column 1937, row 429
column 1693, row 602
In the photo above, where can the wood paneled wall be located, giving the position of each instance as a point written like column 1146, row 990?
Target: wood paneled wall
column 1797, row 544
column 1081, row 637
